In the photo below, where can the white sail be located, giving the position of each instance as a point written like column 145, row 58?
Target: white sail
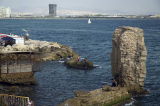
column 89, row 21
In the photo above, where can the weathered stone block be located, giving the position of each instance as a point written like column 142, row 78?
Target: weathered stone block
column 18, row 78
column 128, row 56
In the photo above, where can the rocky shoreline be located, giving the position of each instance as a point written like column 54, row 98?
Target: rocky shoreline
column 128, row 60
column 18, row 62
column 48, row 50
column 105, row 96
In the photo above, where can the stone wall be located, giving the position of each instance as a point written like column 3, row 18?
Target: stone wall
column 12, row 100
column 128, row 56
column 14, row 68
column 17, row 68
column 18, row 78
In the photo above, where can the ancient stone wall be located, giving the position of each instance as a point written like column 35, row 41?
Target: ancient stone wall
column 128, row 56
column 12, row 100
column 18, row 78
column 17, row 68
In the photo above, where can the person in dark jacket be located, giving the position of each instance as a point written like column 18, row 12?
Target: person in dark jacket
column 114, row 83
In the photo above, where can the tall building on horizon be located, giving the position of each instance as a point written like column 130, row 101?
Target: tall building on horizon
column 5, row 12
column 52, row 9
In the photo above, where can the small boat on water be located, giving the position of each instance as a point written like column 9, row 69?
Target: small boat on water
column 89, row 21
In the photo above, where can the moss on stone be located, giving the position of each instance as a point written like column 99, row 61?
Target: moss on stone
column 136, row 90
column 118, row 100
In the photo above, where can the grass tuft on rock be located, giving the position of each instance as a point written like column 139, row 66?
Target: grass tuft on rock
column 119, row 100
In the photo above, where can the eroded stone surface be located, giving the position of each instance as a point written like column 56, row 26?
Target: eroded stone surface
column 98, row 97
column 128, row 56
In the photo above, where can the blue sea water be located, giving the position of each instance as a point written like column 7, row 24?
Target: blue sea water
column 57, row 83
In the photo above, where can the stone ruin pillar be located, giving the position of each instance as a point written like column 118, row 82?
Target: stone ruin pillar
column 128, row 56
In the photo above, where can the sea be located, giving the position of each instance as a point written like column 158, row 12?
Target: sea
column 56, row 82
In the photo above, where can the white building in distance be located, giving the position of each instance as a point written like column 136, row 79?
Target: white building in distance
column 5, row 12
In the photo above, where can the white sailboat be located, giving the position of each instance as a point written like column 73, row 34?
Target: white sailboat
column 89, row 21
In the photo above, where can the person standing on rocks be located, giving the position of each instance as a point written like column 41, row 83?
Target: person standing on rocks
column 78, row 58
column 114, row 83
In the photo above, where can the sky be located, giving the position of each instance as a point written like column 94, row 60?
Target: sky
column 134, row 7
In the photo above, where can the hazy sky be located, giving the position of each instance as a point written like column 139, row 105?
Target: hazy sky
column 102, row 6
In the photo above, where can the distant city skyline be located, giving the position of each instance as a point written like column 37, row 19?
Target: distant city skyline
column 109, row 7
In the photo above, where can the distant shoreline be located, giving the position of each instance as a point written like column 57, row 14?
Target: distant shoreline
column 78, row 18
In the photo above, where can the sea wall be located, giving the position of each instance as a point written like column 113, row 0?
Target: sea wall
column 106, row 96
column 128, row 56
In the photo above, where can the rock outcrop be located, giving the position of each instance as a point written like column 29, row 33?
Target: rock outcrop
column 128, row 56
column 79, row 64
column 128, row 60
column 48, row 50
column 99, row 97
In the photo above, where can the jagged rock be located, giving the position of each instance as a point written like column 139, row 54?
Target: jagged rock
column 56, row 45
column 128, row 56
column 21, row 47
column 83, row 64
